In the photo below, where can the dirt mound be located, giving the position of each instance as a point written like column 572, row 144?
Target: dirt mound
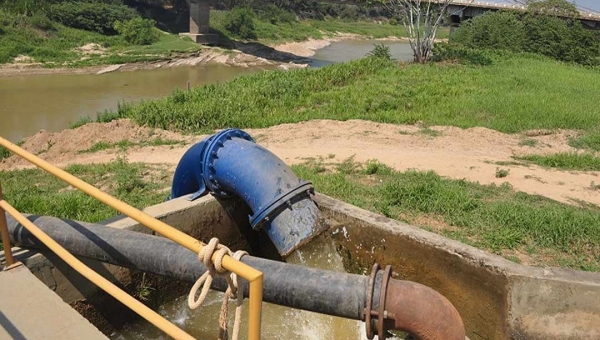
column 70, row 145
column 473, row 154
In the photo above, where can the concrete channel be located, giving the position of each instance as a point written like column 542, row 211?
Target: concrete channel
column 497, row 299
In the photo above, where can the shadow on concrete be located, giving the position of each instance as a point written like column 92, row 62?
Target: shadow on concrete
column 10, row 328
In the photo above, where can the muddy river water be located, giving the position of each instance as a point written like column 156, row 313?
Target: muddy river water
column 52, row 102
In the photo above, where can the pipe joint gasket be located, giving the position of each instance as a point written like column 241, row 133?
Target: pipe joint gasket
column 282, row 201
column 210, row 154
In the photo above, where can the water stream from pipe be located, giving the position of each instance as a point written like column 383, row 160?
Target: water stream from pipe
column 278, row 322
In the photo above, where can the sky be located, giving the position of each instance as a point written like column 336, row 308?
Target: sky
column 593, row 4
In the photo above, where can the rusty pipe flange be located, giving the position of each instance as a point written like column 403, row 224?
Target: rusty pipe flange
column 381, row 313
column 368, row 307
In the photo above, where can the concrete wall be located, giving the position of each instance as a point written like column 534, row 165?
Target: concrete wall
column 497, row 299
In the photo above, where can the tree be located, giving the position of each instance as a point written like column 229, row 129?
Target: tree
column 553, row 7
column 421, row 18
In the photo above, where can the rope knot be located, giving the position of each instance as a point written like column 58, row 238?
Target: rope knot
column 205, row 281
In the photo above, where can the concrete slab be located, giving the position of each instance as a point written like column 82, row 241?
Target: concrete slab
column 30, row 311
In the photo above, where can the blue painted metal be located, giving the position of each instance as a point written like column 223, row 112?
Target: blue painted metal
column 230, row 163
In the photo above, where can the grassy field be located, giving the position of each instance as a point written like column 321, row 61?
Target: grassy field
column 514, row 94
column 36, row 192
column 518, row 226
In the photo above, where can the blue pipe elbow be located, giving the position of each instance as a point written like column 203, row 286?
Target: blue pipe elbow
column 230, row 163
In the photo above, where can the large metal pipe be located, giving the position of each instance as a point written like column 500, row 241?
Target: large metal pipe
column 230, row 163
column 407, row 306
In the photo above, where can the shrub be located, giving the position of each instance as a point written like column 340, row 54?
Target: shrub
column 275, row 15
column 495, row 30
column 138, row 31
column 42, row 22
column 381, row 51
column 98, row 17
column 552, row 36
column 240, row 23
column 465, row 55
column 560, row 39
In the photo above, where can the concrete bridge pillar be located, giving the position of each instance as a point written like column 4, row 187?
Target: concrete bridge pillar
column 199, row 23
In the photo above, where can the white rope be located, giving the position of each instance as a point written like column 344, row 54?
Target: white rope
column 205, row 256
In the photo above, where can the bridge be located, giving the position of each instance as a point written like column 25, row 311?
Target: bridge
column 459, row 10
column 466, row 9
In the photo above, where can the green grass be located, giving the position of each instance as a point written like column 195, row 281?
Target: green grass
column 516, row 93
column 125, row 144
column 566, row 161
column 588, row 141
column 493, row 218
column 501, row 173
column 4, row 153
column 528, row 142
column 33, row 191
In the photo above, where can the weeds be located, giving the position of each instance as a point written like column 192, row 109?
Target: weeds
column 528, row 142
column 126, row 144
column 427, row 131
column 588, row 141
column 566, row 161
column 348, row 166
column 144, row 289
column 374, row 167
column 501, row 173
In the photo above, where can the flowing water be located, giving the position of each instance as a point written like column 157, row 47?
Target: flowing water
column 51, row 102
column 278, row 323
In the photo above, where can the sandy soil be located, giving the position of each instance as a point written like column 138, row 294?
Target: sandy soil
column 455, row 153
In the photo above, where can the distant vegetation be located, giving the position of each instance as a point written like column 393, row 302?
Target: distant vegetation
column 50, row 32
column 279, row 25
column 556, row 37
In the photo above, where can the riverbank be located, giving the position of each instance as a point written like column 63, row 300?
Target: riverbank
column 286, row 55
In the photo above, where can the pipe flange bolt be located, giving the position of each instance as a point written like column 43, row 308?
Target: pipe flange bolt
column 209, row 156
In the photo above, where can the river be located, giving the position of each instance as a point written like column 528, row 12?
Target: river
column 52, row 102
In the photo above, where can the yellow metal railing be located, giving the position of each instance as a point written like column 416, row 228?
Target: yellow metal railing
column 253, row 276
column 138, row 307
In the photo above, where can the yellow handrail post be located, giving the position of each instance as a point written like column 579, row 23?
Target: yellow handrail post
column 10, row 260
